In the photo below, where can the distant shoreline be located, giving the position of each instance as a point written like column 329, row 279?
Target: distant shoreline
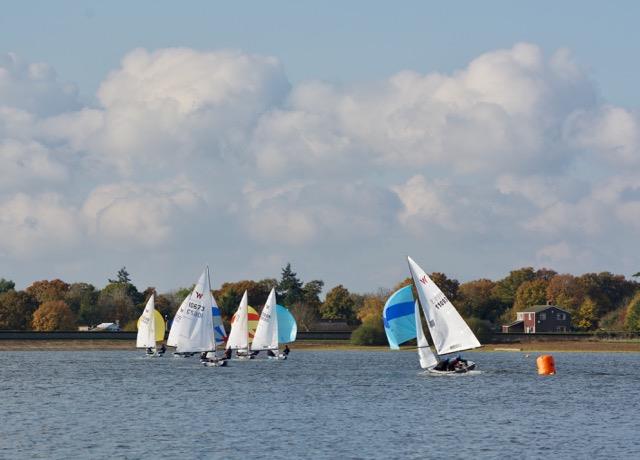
column 619, row 346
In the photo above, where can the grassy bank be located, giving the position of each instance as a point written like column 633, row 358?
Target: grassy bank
column 557, row 346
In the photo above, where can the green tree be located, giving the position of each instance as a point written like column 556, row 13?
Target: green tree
column 289, row 288
column 116, row 304
column 16, row 309
column 46, row 290
column 80, row 294
column 6, row 285
column 607, row 290
column 122, row 276
column 338, row 304
column 632, row 320
column 586, row 318
column 54, row 315
column 531, row 293
column 505, row 289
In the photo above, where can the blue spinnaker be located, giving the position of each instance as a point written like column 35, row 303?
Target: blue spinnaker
column 287, row 327
column 218, row 328
column 399, row 317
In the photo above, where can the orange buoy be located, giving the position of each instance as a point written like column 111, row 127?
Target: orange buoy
column 546, row 365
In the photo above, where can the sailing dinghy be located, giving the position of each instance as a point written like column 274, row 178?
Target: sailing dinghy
column 239, row 335
column 450, row 333
column 150, row 329
column 192, row 330
column 276, row 326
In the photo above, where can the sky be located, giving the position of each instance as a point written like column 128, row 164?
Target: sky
column 477, row 137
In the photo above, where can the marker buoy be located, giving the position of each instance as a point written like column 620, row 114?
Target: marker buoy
column 546, row 365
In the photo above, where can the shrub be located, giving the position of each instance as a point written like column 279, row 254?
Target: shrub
column 371, row 332
column 481, row 328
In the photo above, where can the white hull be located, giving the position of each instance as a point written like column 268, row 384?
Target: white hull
column 462, row 370
column 215, row 363
column 279, row 357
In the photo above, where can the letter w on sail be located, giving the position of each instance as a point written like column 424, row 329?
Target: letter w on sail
column 423, row 280
column 199, row 295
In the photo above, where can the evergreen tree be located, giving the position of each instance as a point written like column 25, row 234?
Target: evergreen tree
column 289, row 289
column 6, row 285
column 122, row 276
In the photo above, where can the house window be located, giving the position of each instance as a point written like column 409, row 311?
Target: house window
column 543, row 316
column 561, row 316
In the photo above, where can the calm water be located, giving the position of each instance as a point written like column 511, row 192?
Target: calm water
column 333, row 405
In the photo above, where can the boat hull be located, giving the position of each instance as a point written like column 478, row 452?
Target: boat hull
column 216, row 363
column 463, row 370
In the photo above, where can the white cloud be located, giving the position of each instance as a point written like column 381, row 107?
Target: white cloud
column 513, row 155
column 37, row 225
column 26, row 165
column 135, row 214
column 33, row 87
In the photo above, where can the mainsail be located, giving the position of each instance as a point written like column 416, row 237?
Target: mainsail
column 192, row 328
column 448, row 330
column 147, row 326
column 266, row 337
column 239, row 335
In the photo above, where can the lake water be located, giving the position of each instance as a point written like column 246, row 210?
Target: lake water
column 318, row 404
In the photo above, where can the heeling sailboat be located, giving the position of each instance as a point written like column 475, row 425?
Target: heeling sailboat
column 150, row 328
column 450, row 333
column 192, row 329
column 276, row 326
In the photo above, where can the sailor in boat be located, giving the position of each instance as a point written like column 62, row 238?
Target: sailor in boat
column 149, row 351
column 227, row 353
column 162, row 349
column 286, row 350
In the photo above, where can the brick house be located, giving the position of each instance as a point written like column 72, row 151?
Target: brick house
column 540, row 318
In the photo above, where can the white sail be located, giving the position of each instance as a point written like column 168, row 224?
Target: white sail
column 266, row 337
column 192, row 328
column 427, row 358
column 448, row 330
column 147, row 326
column 239, row 335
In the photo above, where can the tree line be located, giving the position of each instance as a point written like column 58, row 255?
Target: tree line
column 594, row 300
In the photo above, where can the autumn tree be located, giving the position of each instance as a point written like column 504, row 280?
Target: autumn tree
column 46, row 290
column 586, row 316
column 477, row 299
column 372, row 306
column 16, row 309
column 338, row 304
column 6, row 285
column 566, row 291
column 632, row 320
column 81, row 296
column 54, row 315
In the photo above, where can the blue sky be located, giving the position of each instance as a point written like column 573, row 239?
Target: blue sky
column 477, row 137
column 332, row 40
